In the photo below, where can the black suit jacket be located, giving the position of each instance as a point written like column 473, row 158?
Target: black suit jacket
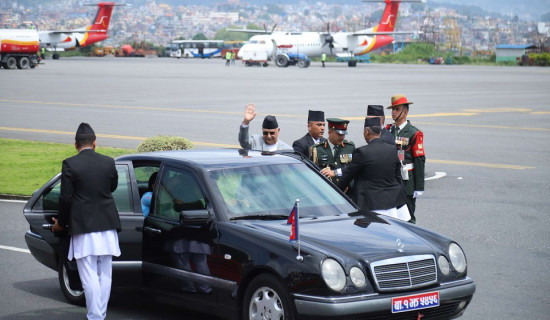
column 375, row 169
column 303, row 144
column 387, row 137
column 86, row 203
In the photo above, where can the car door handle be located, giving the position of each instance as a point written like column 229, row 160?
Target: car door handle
column 152, row 230
column 47, row 226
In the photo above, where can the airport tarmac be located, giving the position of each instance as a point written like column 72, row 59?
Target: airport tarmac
column 486, row 132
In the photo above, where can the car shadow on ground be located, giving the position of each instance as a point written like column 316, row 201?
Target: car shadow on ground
column 123, row 305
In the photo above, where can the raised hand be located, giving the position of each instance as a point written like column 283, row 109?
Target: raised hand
column 249, row 113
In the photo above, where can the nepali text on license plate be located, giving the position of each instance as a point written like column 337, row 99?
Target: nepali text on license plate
column 415, row 302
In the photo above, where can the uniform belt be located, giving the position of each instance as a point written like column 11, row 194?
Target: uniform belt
column 408, row 166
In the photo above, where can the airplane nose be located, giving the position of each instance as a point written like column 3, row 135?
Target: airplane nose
column 240, row 53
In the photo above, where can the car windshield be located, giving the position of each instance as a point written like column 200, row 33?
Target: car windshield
column 270, row 191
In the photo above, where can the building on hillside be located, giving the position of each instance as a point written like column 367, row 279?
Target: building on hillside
column 512, row 52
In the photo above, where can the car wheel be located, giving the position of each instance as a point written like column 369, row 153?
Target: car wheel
column 11, row 63
column 74, row 296
column 266, row 298
column 23, row 63
column 281, row 61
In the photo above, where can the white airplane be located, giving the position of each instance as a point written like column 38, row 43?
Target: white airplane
column 287, row 47
column 72, row 39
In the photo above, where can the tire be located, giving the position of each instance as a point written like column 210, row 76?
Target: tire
column 281, row 61
column 11, row 63
column 73, row 296
column 266, row 298
column 302, row 64
column 352, row 63
column 265, row 64
column 23, row 63
column 55, row 56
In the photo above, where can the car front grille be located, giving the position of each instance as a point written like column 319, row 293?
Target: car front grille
column 404, row 273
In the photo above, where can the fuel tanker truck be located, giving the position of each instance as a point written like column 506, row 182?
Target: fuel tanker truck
column 19, row 48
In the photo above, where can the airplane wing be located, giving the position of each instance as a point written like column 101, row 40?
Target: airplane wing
column 76, row 31
column 250, row 31
column 374, row 33
column 264, row 31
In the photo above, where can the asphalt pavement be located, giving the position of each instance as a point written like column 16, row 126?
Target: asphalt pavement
column 486, row 136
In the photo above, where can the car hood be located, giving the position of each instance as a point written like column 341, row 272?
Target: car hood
column 371, row 237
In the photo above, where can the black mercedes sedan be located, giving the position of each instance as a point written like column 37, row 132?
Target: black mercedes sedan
column 217, row 239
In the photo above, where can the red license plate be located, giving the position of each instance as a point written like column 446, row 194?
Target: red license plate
column 415, row 302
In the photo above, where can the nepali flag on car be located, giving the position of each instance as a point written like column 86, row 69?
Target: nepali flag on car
column 293, row 220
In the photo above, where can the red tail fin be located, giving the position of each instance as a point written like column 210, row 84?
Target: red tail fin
column 387, row 23
column 103, row 16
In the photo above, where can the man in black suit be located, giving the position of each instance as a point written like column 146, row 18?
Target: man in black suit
column 87, row 207
column 377, row 111
column 376, row 170
column 316, row 130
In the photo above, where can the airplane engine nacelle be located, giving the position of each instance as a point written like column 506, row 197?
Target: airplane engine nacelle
column 68, row 42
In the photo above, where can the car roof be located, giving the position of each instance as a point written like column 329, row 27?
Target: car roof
column 212, row 159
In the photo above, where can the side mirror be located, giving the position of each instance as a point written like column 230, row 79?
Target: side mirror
column 195, row 218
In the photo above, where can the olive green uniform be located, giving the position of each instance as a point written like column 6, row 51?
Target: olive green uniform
column 323, row 157
column 410, row 141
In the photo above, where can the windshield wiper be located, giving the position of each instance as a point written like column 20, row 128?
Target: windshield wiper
column 261, row 217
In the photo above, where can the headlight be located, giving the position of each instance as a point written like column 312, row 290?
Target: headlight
column 333, row 274
column 458, row 259
column 357, row 277
column 443, row 265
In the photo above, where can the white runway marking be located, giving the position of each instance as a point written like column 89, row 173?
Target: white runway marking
column 15, row 249
column 437, row 176
column 16, row 201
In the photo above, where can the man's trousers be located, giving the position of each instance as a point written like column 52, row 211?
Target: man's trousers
column 95, row 275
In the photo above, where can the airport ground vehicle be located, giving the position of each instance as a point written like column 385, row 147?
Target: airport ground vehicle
column 253, row 57
column 285, row 59
column 19, row 48
column 227, row 210
column 361, row 59
column 232, row 45
column 196, row 48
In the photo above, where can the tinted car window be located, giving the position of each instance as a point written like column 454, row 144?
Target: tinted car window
column 178, row 191
column 142, row 174
column 273, row 189
column 49, row 201
column 122, row 194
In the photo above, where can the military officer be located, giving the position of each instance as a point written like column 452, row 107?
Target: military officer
column 335, row 153
column 410, row 149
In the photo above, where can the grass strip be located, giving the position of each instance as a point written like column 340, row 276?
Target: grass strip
column 26, row 165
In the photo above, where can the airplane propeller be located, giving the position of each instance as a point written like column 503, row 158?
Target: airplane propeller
column 329, row 39
column 272, row 29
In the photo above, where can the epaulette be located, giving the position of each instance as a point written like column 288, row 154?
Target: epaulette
column 319, row 144
column 415, row 128
column 351, row 143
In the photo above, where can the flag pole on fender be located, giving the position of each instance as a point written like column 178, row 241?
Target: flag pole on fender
column 294, row 220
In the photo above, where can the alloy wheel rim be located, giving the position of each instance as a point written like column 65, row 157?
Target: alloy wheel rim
column 266, row 304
